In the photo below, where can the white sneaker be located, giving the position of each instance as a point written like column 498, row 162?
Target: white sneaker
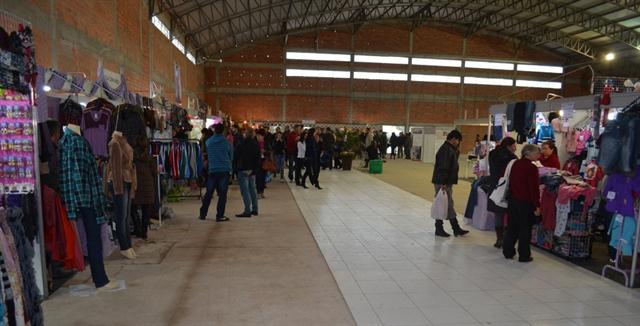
column 112, row 286
column 129, row 253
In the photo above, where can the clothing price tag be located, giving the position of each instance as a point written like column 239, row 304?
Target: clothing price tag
column 611, row 195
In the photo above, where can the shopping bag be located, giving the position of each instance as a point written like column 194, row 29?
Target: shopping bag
column 499, row 195
column 440, row 207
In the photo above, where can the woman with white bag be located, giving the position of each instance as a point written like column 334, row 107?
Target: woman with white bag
column 445, row 175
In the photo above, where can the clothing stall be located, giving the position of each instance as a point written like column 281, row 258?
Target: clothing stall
column 21, row 247
column 575, row 196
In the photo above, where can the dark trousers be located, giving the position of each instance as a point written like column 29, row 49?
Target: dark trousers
column 316, row 172
column 216, row 181
column 519, row 224
column 299, row 164
column 140, row 215
column 261, row 183
column 121, row 215
column 291, row 162
column 393, row 152
column 308, row 170
column 451, row 211
column 94, row 246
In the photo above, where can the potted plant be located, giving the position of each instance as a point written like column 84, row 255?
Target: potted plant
column 347, row 159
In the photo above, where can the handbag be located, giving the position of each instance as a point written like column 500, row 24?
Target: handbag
column 498, row 196
column 440, row 208
column 268, row 165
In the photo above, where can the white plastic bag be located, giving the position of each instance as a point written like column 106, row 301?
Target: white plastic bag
column 440, row 208
column 498, row 196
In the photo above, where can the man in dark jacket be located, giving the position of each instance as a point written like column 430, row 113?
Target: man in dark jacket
column 499, row 158
column 247, row 164
column 445, row 175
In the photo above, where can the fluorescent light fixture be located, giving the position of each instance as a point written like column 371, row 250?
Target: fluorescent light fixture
column 381, row 59
column 318, row 73
column 161, row 26
column 488, row 65
column 314, row 56
column 610, row 56
column 46, row 88
column 436, row 78
column 488, row 81
column 191, row 57
column 379, row 76
column 436, row 62
column 541, row 68
column 538, row 84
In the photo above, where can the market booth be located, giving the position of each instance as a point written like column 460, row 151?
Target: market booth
column 588, row 212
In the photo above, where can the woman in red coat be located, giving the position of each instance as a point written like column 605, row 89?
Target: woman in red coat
column 549, row 157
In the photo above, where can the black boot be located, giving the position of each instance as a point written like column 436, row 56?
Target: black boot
column 440, row 232
column 457, row 230
column 499, row 236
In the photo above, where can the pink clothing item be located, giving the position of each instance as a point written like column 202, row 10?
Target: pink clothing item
column 581, row 140
column 570, row 192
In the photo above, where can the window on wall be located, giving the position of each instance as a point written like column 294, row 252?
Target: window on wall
column 541, row 68
column 381, row 59
column 488, row 65
column 318, row 73
column 191, row 57
column 178, row 45
column 314, row 56
column 379, row 76
column 161, row 26
column 436, row 62
column 435, row 78
column 538, row 84
column 488, row 81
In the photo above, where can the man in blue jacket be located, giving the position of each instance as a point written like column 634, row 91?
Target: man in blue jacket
column 220, row 155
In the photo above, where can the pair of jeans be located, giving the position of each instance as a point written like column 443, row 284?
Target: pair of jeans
column 308, row 170
column 94, row 245
column 121, row 213
column 248, row 191
column 299, row 166
column 280, row 165
column 216, row 181
column 451, row 211
column 291, row 160
column 519, row 224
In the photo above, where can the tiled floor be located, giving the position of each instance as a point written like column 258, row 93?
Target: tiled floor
column 378, row 241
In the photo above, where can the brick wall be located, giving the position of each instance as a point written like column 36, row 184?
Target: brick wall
column 254, row 74
column 73, row 35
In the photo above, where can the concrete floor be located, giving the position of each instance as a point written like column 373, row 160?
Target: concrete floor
column 260, row 271
column 379, row 243
column 415, row 177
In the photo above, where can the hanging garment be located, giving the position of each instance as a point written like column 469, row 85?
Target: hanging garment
column 548, row 209
column 121, row 168
column 14, row 268
column 545, row 132
column 95, row 129
column 80, row 183
column 623, row 230
column 619, row 192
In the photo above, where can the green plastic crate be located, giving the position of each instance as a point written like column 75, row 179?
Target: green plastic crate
column 375, row 166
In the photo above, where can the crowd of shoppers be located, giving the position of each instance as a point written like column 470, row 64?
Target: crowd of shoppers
column 255, row 156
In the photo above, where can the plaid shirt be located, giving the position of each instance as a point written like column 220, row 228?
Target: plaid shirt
column 80, row 183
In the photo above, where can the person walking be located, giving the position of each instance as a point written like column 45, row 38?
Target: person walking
column 408, row 145
column 312, row 155
column 279, row 155
column 524, row 204
column 247, row 165
column 329, row 143
column 220, row 156
column 302, row 162
column 499, row 158
column 383, row 144
column 445, row 175
column 393, row 141
column 261, row 182
column 401, row 139
column 292, row 149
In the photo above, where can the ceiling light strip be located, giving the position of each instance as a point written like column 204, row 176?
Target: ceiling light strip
column 488, row 81
column 379, row 76
column 343, row 74
column 436, row 62
column 538, row 84
column 541, row 68
column 381, row 59
column 314, row 56
column 489, row 65
column 436, row 78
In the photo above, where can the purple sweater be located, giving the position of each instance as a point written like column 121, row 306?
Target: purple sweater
column 618, row 193
column 95, row 128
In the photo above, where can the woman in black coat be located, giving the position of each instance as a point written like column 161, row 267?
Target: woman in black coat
column 499, row 158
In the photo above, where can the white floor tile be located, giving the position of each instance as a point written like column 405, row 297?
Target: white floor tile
column 436, row 298
column 447, row 315
column 598, row 321
column 531, row 312
column 473, row 298
column 402, row 317
column 493, row 314
column 389, row 301
column 379, row 287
